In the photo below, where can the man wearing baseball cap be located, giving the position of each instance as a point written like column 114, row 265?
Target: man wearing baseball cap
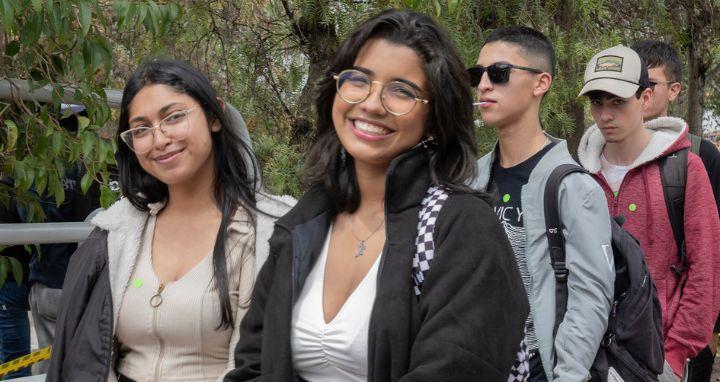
column 623, row 153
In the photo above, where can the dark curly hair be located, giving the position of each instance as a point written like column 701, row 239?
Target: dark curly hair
column 450, row 117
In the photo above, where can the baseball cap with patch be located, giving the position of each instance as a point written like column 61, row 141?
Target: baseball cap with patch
column 616, row 70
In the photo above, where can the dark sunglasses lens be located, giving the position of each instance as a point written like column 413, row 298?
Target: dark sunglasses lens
column 475, row 73
column 499, row 74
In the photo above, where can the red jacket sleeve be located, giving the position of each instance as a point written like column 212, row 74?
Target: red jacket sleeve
column 700, row 300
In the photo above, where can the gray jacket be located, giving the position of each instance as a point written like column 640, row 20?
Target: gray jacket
column 586, row 226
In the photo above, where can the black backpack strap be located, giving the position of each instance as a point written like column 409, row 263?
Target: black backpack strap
column 673, row 173
column 556, row 240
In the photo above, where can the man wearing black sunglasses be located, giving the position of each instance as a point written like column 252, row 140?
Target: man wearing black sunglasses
column 513, row 73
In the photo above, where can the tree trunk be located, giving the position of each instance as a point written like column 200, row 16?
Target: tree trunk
column 319, row 46
column 566, row 19
column 577, row 113
column 701, row 30
column 696, row 88
column 318, row 42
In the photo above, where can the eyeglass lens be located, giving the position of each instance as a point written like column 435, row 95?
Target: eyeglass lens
column 397, row 97
column 141, row 139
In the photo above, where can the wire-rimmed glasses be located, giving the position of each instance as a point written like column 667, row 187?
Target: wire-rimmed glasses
column 140, row 139
column 397, row 97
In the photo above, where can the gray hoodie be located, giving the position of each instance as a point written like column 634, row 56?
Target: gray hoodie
column 586, row 226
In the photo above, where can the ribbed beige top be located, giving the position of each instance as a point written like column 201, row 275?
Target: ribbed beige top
column 178, row 340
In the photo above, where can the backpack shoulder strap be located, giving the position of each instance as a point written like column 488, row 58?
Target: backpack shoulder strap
column 673, row 174
column 556, row 240
column 695, row 143
column 425, row 242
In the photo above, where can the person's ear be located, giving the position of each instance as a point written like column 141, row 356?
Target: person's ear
column 674, row 91
column 542, row 85
column 216, row 122
column 215, row 127
column 645, row 97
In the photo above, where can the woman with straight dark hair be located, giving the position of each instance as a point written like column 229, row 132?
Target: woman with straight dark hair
column 389, row 268
column 157, row 291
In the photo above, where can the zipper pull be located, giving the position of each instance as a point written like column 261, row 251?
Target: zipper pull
column 615, row 202
column 157, row 299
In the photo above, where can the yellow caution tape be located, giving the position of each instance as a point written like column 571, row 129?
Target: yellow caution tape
column 25, row 361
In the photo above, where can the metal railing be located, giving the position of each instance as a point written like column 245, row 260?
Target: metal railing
column 14, row 88
column 43, row 233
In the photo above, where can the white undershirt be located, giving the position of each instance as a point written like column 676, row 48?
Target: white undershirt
column 613, row 173
column 334, row 351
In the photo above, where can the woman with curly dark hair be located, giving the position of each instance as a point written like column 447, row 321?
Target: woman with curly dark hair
column 359, row 286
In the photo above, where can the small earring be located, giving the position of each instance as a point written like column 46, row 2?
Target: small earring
column 425, row 141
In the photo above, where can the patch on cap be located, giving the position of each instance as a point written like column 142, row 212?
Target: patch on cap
column 615, row 70
column 609, row 64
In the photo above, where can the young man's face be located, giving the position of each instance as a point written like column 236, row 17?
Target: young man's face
column 618, row 118
column 664, row 92
column 505, row 103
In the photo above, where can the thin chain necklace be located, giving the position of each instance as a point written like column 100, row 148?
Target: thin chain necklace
column 361, row 246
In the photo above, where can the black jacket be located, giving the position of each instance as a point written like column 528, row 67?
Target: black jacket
column 83, row 345
column 467, row 324
column 710, row 156
column 50, row 266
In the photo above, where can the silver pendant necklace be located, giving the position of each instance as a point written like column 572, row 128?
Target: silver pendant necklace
column 362, row 247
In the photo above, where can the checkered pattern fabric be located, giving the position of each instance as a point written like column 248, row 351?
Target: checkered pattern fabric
column 429, row 211
column 425, row 250
column 520, row 370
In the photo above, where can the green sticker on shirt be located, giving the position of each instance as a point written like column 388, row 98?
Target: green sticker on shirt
column 137, row 283
column 615, row 193
column 506, row 198
column 632, row 207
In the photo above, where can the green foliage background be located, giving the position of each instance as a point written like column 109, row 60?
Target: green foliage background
column 265, row 56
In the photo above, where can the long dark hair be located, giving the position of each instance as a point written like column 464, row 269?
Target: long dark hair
column 449, row 120
column 234, row 185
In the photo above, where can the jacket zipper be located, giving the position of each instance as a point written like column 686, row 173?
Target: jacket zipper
column 110, row 358
column 616, row 195
column 371, row 323
column 293, row 265
column 155, row 332
column 615, row 204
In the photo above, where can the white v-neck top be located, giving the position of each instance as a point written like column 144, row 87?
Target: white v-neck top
column 337, row 350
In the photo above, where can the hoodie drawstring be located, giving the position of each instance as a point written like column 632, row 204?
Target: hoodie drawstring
column 648, row 196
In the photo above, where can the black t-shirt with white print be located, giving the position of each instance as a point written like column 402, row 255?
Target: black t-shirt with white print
column 506, row 184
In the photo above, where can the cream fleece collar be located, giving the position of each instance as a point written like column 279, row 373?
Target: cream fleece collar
column 665, row 132
column 125, row 225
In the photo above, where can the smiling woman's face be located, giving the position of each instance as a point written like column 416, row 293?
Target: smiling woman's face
column 368, row 132
column 173, row 160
